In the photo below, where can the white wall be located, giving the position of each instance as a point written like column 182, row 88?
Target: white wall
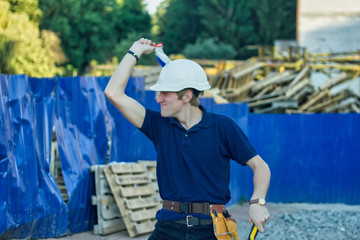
column 329, row 25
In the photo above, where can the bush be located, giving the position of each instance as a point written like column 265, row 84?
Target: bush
column 209, row 49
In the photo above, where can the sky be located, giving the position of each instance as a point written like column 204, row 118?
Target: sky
column 152, row 5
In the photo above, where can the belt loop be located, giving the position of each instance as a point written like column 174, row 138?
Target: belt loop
column 184, row 207
column 190, row 207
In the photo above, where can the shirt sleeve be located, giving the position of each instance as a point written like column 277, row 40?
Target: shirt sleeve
column 150, row 125
column 238, row 145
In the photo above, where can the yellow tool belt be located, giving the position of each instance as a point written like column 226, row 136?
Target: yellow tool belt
column 224, row 226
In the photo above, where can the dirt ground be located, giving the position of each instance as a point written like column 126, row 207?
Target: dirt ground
column 288, row 221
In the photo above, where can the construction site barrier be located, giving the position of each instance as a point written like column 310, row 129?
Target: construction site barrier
column 313, row 158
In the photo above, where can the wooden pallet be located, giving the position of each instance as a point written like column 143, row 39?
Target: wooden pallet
column 134, row 195
column 109, row 219
column 56, row 169
column 151, row 171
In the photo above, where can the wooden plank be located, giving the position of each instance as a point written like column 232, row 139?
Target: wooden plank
column 136, row 191
column 128, row 168
column 315, row 99
column 297, row 87
column 142, row 215
column 109, row 212
column 303, row 93
column 274, row 79
column 104, row 186
column 299, row 76
column 322, row 105
column 264, row 91
column 267, row 101
column 144, row 227
column 226, row 80
column 132, row 179
column 247, row 70
column 355, row 107
column 148, row 163
column 141, row 203
column 334, row 81
column 278, row 106
column 342, row 104
column 235, row 92
column 110, row 226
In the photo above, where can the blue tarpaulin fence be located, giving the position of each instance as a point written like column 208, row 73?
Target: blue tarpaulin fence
column 313, row 158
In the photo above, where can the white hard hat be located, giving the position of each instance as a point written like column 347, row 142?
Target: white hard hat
column 180, row 74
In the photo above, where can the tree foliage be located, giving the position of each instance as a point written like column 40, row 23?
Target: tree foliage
column 90, row 29
column 179, row 25
column 275, row 19
column 233, row 22
column 23, row 48
column 209, row 48
column 37, row 37
column 230, row 21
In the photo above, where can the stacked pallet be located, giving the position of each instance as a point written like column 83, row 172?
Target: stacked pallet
column 134, row 195
column 109, row 219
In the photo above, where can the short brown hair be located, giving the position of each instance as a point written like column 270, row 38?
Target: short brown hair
column 194, row 100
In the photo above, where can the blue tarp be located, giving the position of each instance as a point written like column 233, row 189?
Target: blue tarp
column 30, row 202
column 82, row 139
column 313, row 158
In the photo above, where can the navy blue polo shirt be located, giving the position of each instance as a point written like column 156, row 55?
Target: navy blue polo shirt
column 194, row 165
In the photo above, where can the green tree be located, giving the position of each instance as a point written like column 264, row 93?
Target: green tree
column 230, row 21
column 29, row 7
column 209, row 48
column 23, row 49
column 276, row 19
column 90, row 29
column 179, row 25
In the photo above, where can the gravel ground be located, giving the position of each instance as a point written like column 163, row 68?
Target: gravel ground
column 287, row 222
column 312, row 224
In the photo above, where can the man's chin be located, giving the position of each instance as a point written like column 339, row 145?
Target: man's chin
column 164, row 114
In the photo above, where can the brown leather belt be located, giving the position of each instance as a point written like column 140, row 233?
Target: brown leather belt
column 189, row 208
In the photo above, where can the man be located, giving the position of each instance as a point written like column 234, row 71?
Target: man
column 193, row 147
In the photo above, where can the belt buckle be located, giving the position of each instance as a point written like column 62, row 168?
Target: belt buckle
column 187, row 221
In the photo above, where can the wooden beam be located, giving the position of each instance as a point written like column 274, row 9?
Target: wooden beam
column 319, row 96
column 247, row 71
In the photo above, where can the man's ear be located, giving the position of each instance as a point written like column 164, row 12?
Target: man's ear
column 188, row 96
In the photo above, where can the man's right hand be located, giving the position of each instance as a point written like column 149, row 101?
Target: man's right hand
column 142, row 46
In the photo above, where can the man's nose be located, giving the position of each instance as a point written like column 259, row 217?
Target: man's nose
column 159, row 98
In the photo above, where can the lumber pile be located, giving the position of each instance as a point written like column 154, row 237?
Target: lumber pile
column 281, row 85
column 288, row 91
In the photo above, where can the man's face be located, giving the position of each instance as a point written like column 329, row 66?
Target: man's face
column 170, row 104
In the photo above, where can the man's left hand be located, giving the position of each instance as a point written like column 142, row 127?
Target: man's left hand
column 258, row 215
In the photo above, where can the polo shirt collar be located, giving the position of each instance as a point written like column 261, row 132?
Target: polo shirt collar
column 206, row 120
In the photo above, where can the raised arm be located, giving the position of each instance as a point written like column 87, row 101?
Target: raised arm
column 115, row 90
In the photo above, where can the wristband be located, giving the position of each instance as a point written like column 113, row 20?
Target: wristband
column 134, row 54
